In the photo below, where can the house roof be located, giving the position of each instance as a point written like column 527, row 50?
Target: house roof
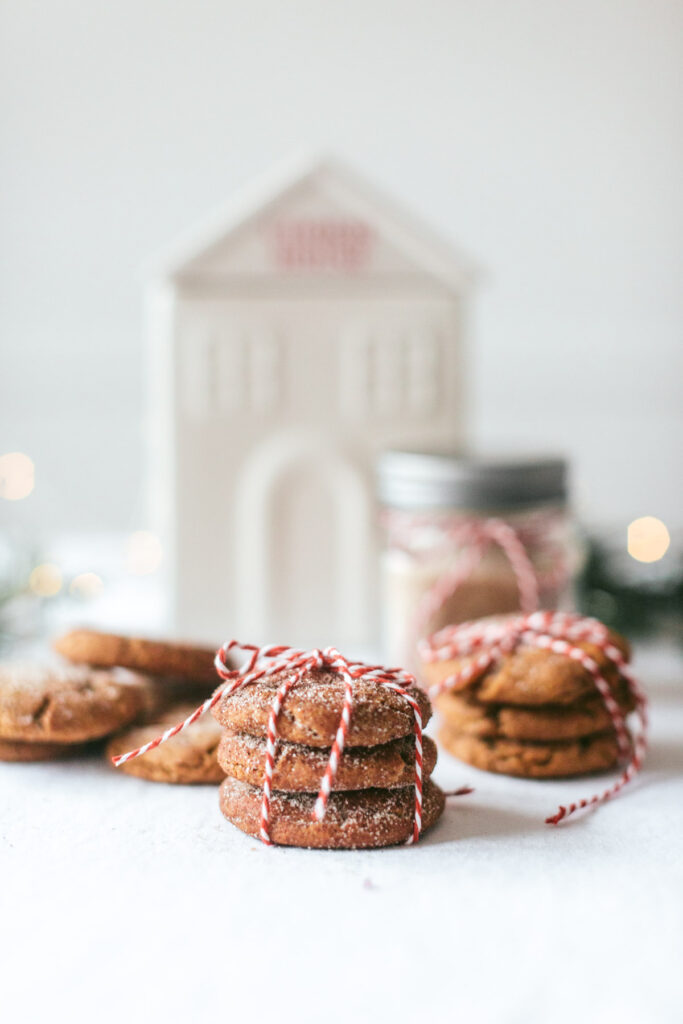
column 422, row 247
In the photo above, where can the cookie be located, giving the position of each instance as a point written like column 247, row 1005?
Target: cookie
column 531, row 676
column 533, row 760
column 465, row 714
column 70, row 704
column 312, row 710
column 16, row 750
column 365, row 818
column 300, row 768
column 188, row 758
column 156, row 657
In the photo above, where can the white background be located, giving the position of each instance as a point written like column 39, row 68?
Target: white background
column 546, row 138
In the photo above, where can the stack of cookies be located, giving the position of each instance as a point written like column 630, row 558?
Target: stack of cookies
column 372, row 803
column 533, row 713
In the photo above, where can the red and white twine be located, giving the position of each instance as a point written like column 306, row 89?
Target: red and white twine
column 486, row 641
column 474, row 536
column 263, row 662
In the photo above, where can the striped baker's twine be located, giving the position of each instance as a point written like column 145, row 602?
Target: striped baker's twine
column 484, row 643
column 339, row 741
column 474, row 537
column 262, row 662
column 271, row 748
column 536, row 532
column 417, row 823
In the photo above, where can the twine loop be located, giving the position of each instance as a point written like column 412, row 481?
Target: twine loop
column 475, row 536
column 485, row 642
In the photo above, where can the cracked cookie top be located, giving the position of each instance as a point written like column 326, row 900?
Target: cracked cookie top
column 69, row 704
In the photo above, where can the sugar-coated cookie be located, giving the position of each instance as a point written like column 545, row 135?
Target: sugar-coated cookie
column 300, row 768
column 69, row 704
column 312, row 710
column 364, row 818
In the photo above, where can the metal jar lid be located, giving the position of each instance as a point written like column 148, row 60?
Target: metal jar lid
column 422, row 480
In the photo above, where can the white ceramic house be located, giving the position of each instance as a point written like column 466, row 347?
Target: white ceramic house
column 311, row 325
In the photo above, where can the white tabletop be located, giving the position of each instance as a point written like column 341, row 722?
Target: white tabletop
column 122, row 899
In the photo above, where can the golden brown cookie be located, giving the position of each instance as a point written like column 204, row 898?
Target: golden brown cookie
column 188, row 758
column 70, row 704
column 16, row 750
column 365, row 818
column 533, row 760
column 465, row 714
column 531, row 676
column 156, row 657
column 312, row 710
column 301, row 768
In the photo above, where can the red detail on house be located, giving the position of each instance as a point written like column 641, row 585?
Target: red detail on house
column 322, row 244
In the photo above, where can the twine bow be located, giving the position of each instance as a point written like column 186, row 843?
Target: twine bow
column 263, row 662
column 486, row 641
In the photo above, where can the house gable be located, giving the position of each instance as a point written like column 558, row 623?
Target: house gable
column 322, row 221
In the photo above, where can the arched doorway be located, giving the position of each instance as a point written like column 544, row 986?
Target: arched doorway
column 305, row 570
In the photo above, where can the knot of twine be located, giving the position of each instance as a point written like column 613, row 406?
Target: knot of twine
column 262, row 662
column 487, row 641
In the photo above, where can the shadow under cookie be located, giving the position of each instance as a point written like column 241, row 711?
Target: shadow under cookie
column 17, row 751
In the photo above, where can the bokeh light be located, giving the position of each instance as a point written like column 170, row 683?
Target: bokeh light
column 87, row 586
column 143, row 553
column 17, row 476
column 648, row 539
column 45, row 580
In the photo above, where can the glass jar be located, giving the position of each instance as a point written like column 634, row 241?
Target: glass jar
column 466, row 537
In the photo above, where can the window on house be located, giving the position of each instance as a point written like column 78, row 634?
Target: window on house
column 231, row 372
column 383, row 376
